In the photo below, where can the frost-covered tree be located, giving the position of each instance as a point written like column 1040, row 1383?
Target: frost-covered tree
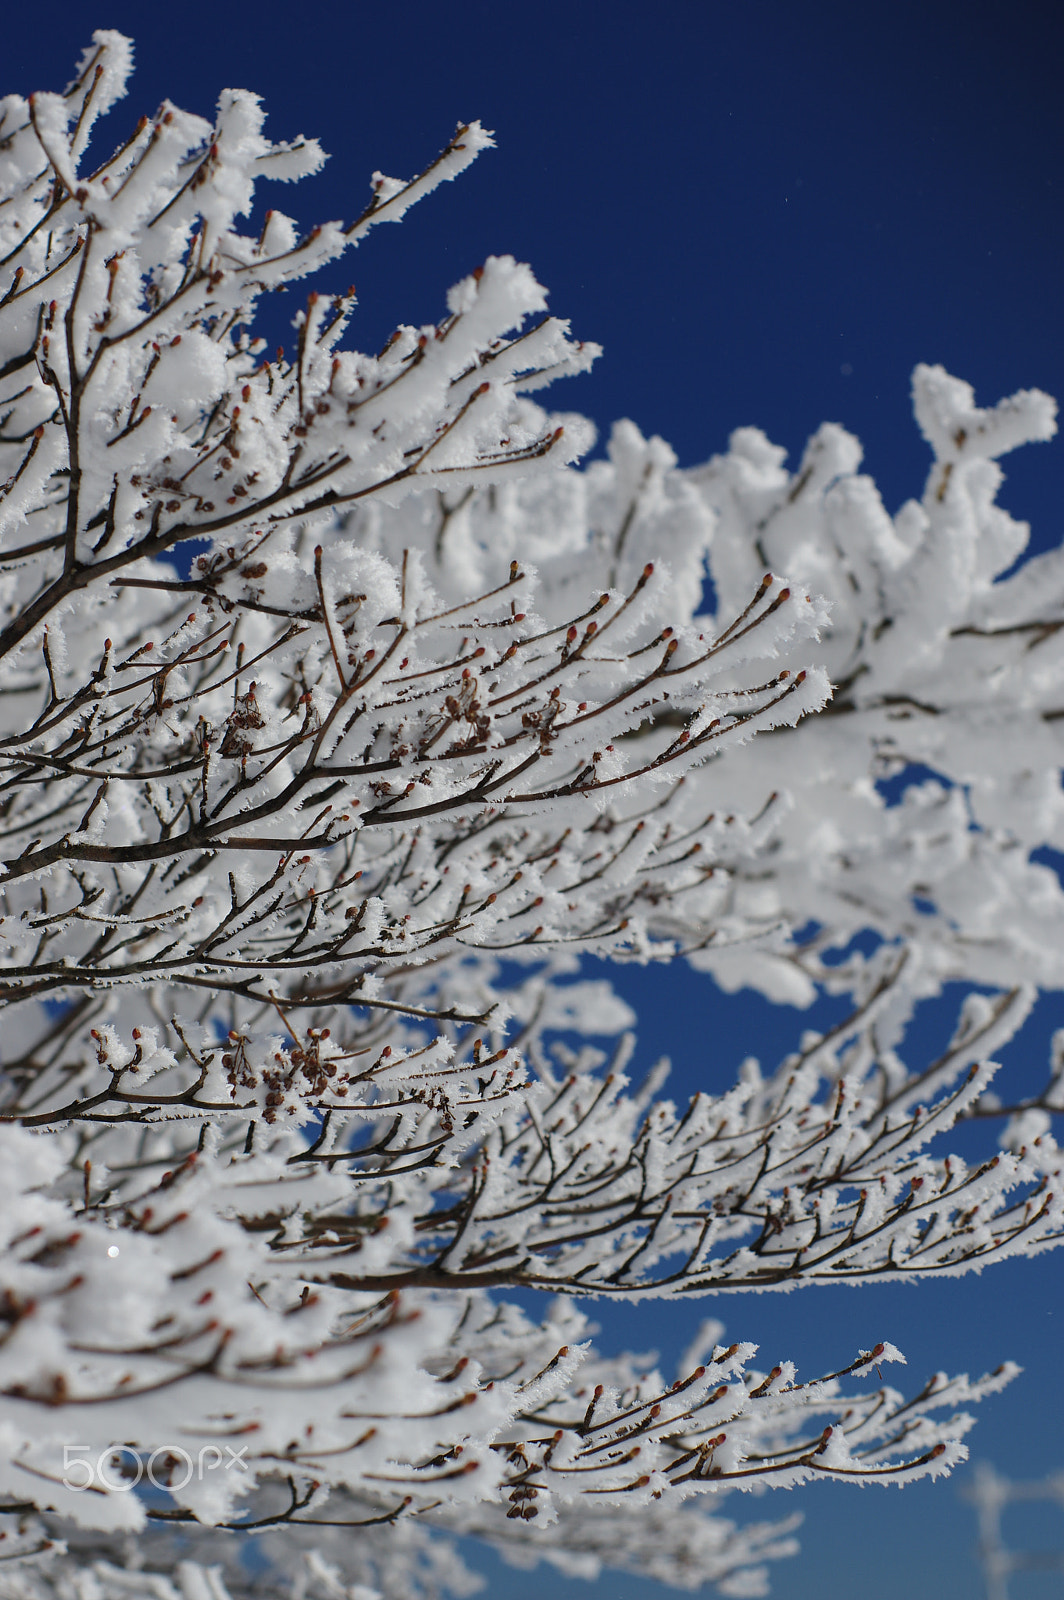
column 340, row 716
column 991, row 1493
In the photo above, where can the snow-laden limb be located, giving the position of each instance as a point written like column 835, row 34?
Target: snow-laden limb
column 483, row 1176
column 409, row 805
column 327, row 782
column 943, row 657
column 317, row 1311
column 938, row 659
column 172, row 1331
column 128, row 367
column 238, row 1322
column 824, row 1171
column 408, row 1560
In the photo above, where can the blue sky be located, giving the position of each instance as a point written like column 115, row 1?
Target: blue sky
column 767, row 211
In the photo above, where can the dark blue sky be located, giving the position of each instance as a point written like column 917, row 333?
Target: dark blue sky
column 767, row 211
